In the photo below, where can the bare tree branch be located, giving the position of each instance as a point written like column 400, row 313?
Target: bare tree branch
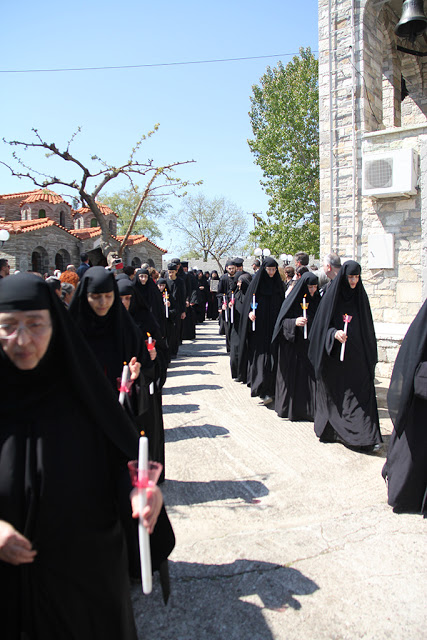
column 104, row 174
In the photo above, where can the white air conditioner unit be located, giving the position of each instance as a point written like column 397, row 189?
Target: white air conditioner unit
column 390, row 174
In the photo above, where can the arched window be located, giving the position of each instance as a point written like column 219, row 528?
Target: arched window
column 62, row 259
column 111, row 226
column 42, row 213
column 136, row 262
column 94, row 222
column 62, row 218
column 40, row 260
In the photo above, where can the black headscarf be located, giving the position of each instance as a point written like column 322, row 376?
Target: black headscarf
column 261, row 284
column 114, row 338
column 149, row 294
column 245, row 279
column 291, row 306
column 411, row 353
column 341, row 290
column 125, row 287
column 67, row 359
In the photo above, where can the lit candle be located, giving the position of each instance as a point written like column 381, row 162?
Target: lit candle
column 304, row 305
column 144, row 538
column 125, row 378
column 150, row 347
column 346, row 318
column 254, row 306
column 165, row 299
column 232, row 308
column 224, row 302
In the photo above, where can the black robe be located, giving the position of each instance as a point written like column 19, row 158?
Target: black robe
column 64, row 446
column 152, row 412
column 239, row 296
column 406, row 467
column 225, row 286
column 177, row 290
column 255, row 346
column 212, row 312
column 202, row 291
column 295, row 382
column 346, row 404
column 188, row 325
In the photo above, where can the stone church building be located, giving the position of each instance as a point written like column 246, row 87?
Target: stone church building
column 373, row 156
column 46, row 233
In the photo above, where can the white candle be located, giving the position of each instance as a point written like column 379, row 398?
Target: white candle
column 232, row 307
column 224, row 301
column 125, row 378
column 304, row 315
column 346, row 319
column 151, row 387
column 144, row 538
column 166, row 304
column 253, row 309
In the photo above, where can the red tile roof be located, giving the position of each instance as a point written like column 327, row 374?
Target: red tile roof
column 138, row 239
column 44, row 195
column 23, row 226
column 87, row 232
column 102, row 207
column 17, row 196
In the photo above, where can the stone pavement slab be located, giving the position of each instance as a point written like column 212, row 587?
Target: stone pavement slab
column 278, row 536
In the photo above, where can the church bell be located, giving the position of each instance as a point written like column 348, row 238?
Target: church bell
column 413, row 21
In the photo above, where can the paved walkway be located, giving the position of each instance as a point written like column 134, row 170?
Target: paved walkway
column 278, row 535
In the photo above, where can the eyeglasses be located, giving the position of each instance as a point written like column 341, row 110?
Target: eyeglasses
column 35, row 329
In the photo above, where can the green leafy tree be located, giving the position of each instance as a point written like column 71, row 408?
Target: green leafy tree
column 285, row 122
column 213, row 228
column 125, row 202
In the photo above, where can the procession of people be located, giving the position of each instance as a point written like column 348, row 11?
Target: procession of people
column 303, row 341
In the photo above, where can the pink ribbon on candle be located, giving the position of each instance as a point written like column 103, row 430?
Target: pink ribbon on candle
column 126, row 387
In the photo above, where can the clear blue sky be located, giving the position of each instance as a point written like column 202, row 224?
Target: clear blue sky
column 202, row 108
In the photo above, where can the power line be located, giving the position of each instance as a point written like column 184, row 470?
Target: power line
column 142, row 66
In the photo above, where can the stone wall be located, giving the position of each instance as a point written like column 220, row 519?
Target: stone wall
column 19, row 248
column 364, row 90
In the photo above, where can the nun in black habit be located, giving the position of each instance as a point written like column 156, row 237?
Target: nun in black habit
column 406, row 467
column 146, row 288
column 295, row 381
column 110, row 332
column 346, row 404
column 155, row 376
column 255, row 346
column 64, row 446
column 239, row 290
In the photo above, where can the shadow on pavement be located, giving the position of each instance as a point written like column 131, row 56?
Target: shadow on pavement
column 181, row 390
column 180, row 408
column 185, row 363
column 189, row 372
column 178, row 492
column 194, row 431
column 222, row 602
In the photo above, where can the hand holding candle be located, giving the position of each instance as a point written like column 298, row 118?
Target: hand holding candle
column 346, row 319
column 304, row 306
column 166, row 302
